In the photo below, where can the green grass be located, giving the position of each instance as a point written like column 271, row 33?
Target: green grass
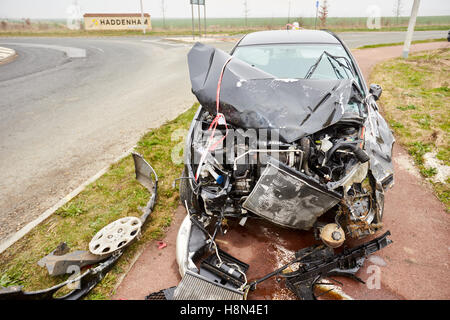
column 229, row 26
column 416, row 103
column 276, row 22
column 114, row 195
column 369, row 46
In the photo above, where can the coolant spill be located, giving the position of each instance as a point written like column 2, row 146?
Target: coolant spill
column 331, row 291
column 265, row 247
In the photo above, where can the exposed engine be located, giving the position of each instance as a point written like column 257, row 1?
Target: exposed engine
column 291, row 184
column 287, row 151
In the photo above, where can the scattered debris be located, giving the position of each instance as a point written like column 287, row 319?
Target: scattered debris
column 115, row 236
column 161, row 244
column 318, row 263
column 330, row 288
column 107, row 245
column 59, row 261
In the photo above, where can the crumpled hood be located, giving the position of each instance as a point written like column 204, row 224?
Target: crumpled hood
column 252, row 98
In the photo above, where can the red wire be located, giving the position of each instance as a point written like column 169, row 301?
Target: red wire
column 215, row 122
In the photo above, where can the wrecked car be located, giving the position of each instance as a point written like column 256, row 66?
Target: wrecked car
column 287, row 131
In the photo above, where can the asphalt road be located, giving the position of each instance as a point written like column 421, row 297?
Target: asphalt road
column 63, row 117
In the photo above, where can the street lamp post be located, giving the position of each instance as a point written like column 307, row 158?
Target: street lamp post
column 142, row 18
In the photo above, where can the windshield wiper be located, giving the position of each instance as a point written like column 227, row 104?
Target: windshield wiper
column 313, row 68
column 336, row 70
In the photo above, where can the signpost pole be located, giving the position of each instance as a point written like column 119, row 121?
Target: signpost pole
column 317, row 10
column 142, row 18
column 192, row 12
column 204, row 15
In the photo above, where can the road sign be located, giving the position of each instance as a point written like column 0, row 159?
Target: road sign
column 198, row 2
column 117, row 21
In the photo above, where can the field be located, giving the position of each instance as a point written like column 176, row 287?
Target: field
column 279, row 22
column 174, row 26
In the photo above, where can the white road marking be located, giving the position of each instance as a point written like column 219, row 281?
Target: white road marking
column 47, row 213
column 71, row 52
column 166, row 43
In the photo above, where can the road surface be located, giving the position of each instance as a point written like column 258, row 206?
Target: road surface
column 70, row 106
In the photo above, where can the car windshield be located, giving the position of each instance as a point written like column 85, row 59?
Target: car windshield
column 294, row 61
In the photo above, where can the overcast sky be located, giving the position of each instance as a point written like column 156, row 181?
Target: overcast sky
column 40, row 9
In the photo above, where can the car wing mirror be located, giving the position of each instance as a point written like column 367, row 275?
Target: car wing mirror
column 375, row 90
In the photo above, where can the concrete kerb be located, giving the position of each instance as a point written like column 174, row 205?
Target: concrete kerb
column 7, row 55
column 22, row 232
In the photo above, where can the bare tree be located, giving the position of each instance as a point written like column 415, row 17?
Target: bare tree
column 163, row 9
column 323, row 13
column 246, row 11
column 398, row 7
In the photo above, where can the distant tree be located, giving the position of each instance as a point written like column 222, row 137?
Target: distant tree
column 398, row 7
column 246, row 11
column 323, row 13
column 4, row 25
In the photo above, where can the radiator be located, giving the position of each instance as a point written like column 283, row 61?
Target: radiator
column 196, row 287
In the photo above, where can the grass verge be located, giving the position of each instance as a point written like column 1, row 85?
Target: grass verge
column 215, row 30
column 416, row 103
column 114, row 195
column 369, row 46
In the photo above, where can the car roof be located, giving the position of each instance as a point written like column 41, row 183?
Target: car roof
column 288, row 36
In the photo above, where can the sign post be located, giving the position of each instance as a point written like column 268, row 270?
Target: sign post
column 142, row 18
column 204, row 15
column 198, row 3
column 199, row 23
column 192, row 12
column 409, row 33
column 317, row 10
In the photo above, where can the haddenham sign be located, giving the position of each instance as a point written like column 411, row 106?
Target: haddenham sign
column 116, row 21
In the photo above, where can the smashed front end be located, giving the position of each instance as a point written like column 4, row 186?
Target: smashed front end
column 289, row 151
